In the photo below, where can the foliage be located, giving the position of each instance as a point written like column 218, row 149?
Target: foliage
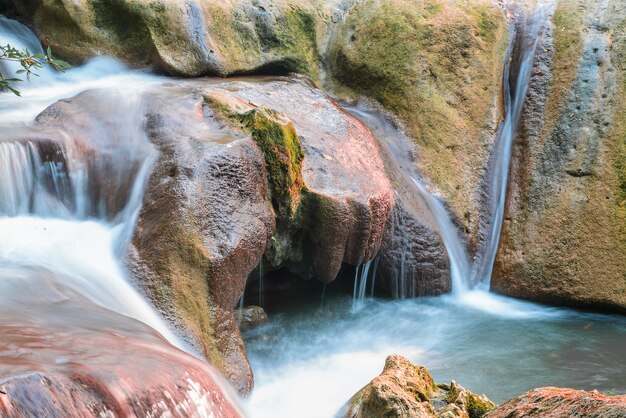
column 29, row 62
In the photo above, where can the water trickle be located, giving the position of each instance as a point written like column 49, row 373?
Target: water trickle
column 517, row 75
column 261, row 290
column 361, row 277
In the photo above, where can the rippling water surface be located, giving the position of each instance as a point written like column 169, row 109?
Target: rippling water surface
column 308, row 363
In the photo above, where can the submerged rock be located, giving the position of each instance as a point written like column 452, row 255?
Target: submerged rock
column 407, row 390
column 250, row 317
column 557, row 402
column 564, row 232
column 185, row 37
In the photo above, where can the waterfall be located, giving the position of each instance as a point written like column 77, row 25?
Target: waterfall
column 70, row 193
column 517, row 74
column 361, row 277
column 465, row 274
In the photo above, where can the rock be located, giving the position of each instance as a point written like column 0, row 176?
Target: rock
column 463, row 403
column 184, row 37
column 407, row 390
column 413, row 261
column 227, row 188
column 443, row 80
column 62, row 355
column 556, row 402
column 204, row 225
column 564, row 235
column 250, row 317
column 329, row 211
column 402, row 390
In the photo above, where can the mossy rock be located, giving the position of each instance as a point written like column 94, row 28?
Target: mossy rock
column 184, row 38
column 438, row 66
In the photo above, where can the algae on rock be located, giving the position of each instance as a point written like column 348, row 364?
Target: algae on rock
column 438, row 66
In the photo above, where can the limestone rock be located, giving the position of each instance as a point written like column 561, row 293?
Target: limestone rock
column 557, row 402
column 59, row 357
column 184, row 37
column 339, row 210
column 405, row 390
column 438, row 66
column 564, row 233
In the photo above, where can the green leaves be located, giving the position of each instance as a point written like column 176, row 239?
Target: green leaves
column 29, row 63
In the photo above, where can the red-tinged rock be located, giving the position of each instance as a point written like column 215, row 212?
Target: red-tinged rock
column 61, row 355
column 553, row 402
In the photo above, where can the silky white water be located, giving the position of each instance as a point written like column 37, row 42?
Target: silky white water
column 56, row 210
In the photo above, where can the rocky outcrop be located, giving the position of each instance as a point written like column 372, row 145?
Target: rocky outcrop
column 557, row 403
column 241, row 171
column 413, row 261
column 438, row 66
column 332, row 199
column 406, row 390
column 185, row 37
column 62, row 355
column 564, row 233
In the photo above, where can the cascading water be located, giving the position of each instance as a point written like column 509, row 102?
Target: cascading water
column 517, row 74
column 69, row 197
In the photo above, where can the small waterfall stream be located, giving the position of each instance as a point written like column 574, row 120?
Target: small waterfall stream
column 69, row 197
column 517, row 75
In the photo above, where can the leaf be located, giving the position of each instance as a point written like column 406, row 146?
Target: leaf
column 49, row 53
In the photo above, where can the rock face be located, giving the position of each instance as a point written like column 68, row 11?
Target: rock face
column 557, row 402
column 438, row 66
column 332, row 199
column 564, row 234
column 184, row 37
column 406, row 390
column 203, row 226
column 413, row 261
column 60, row 357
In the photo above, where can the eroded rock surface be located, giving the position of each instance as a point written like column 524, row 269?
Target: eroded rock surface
column 438, row 66
column 338, row 212
column 564, row 233
column 557, row 402
column 185, row 37
column 405, row 390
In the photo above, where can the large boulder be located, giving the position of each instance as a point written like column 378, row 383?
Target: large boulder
column 328, row 185
column 438, row 66
column 62, row 355
column 564, row 233
column 185, row 37
column 558, row 402
column 405, row 390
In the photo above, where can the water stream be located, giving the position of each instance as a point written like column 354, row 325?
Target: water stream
column 69, row 197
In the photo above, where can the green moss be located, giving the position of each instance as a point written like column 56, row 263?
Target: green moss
column 486, row 22
column 296, row 40
column 283, row 156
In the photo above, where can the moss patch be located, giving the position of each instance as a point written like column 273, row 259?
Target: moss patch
column 283, row 156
